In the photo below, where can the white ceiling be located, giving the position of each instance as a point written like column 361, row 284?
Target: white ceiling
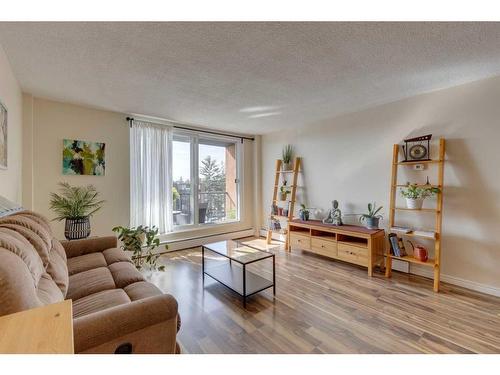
column 246, row 77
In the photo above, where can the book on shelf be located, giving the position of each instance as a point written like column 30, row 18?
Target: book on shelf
column 425, row 233
column 401, row 229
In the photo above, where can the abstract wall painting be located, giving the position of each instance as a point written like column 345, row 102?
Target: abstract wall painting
column 83, row 158
column 3, row 136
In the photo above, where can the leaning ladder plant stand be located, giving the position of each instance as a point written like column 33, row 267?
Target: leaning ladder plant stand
column 279, row 177
column 436, row 262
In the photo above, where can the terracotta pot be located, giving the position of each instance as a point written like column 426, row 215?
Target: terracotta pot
column 420, row 253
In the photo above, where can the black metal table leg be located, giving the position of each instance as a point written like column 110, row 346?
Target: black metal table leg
column 203, row 265
column 274, row 276
column 244, row 287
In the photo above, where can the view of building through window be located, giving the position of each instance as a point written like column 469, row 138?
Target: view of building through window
column 212, row 178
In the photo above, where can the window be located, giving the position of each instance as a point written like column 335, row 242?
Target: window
column 205, row 173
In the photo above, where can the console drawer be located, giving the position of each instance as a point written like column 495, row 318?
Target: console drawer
column 300, row 241
column 353, row 254
column 324, row 247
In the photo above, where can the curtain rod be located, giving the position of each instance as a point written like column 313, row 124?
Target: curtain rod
column 130, row 119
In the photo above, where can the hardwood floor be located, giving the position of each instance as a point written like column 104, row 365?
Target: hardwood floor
column 325, row 306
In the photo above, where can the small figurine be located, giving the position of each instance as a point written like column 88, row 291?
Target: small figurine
column 334, row 215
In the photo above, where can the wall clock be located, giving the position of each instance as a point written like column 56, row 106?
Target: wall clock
column 417, row 149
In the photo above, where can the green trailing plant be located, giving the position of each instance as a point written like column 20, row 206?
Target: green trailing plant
column 75, row 202
column 373, row 210
column 414, row 191
column 286, row 154
column 141, row 241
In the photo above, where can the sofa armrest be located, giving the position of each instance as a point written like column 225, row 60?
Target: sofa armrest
column 149, row 325
column 89, row 245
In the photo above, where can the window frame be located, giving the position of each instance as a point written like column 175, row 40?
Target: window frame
column 194, row 138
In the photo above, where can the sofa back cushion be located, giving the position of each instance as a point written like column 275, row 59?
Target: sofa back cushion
column 33, row 269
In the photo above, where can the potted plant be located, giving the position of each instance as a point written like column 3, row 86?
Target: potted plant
column 284, row 192
column 75, row 204
column 303, row 212
column 371, row 218
column 286, row 156
column 141, row 241
column 416, row 194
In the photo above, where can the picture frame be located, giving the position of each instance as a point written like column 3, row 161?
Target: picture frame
column 3, row 136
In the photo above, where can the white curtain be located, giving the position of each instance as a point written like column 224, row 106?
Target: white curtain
column 151, row 175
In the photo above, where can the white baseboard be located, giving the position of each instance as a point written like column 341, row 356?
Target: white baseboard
column 425, row 272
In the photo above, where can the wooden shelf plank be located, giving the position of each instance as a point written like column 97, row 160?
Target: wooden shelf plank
column 421, row 185
column 280, row 217
column 419, row 162
column 411, row 234
column 410, row 259
column 416, row 209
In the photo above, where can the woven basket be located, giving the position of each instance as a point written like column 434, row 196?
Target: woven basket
column 76, row 229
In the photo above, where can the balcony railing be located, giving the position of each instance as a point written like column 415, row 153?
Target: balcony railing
column 212, row 208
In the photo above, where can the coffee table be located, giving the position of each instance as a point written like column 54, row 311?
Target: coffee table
column 237, row 277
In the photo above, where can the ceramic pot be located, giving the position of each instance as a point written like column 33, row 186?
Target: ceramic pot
column 372, row 222
column 283, row 196
column 76, row 229
column 414, row 204
column 286, row 166
column 304, row 215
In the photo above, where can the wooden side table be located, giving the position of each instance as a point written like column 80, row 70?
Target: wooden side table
column 43, row 330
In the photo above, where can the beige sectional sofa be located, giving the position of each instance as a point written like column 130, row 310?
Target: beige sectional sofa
column 113, row 306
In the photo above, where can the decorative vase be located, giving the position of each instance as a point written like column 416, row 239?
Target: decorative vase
column 372, row 222
column 76, row 229
column 286, row 166
column 304, row 215
column 414, row 204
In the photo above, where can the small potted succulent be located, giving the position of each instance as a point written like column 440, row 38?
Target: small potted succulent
column 286, row 156
column 371, row 218
column 415, row 194
column 75, row 204
column 141, row 241
column 304, row 212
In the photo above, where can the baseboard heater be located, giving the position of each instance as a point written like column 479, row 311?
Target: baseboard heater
column 195, row 241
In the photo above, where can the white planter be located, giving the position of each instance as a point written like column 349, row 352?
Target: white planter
column 414, row 204
column 286, row 166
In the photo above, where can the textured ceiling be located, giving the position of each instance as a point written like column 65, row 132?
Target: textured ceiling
column 246, row 77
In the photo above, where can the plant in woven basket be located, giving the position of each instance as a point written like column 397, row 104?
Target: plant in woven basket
column 141, row 241
column 75, row 204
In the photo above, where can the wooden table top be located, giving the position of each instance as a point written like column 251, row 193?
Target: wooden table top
column 43, row 330
column 344, row 227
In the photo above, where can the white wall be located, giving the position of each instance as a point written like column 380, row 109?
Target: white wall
column 48, row 122
column 11, row 97
column 348, row 158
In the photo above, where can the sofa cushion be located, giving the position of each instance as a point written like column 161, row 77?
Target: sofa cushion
column 35, row 231
column 48, row 292
column 86, row 262
column 99, row 301
column 89, row 282
column 116, row 255
column 124, row 273
column 141, row 289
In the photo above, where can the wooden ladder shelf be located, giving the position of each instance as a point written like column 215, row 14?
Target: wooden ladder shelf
column 279, row 177
column 438, row 212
